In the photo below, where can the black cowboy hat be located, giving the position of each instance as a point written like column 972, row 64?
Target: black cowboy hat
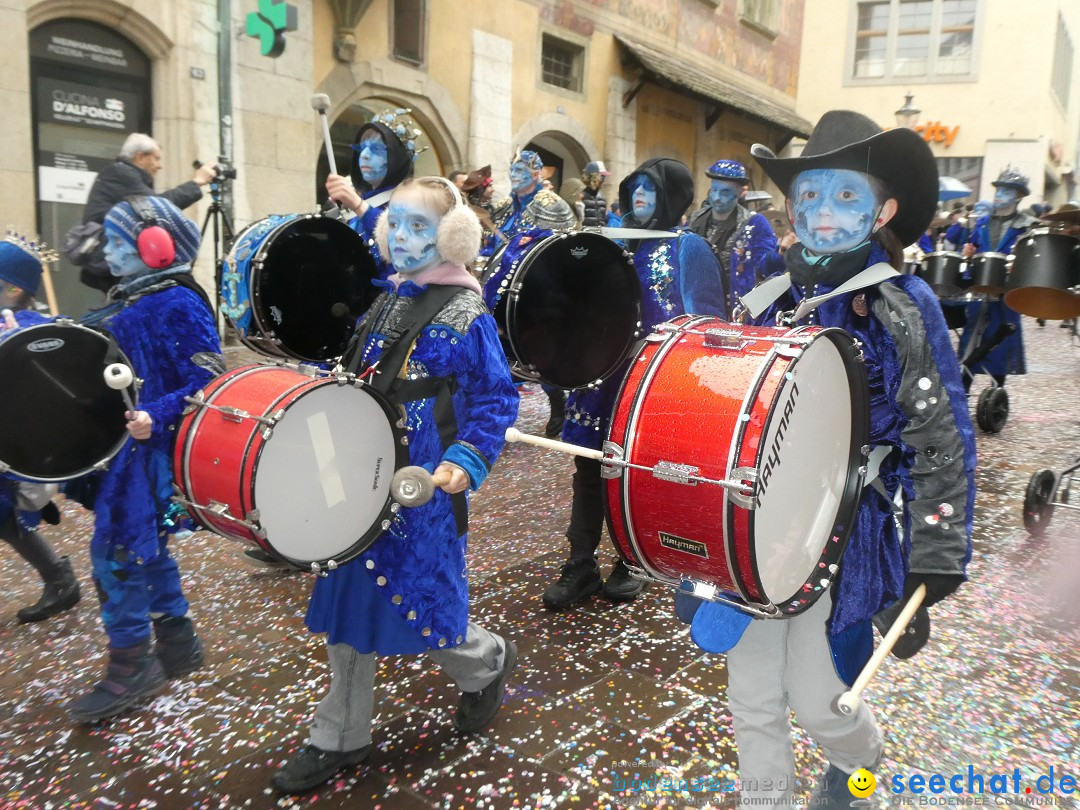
column 899, row 158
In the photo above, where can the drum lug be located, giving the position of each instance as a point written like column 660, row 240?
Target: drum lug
column 101, row 466
column 612, row 467
column 740, row 494
column 317, row 570
column 194, row 402
column 219, row 509
column 252, row 516
column 675, row 473
column 789, row 352
column 308, row 370
column 4, row 468
column 654, row 337
column 725, row 339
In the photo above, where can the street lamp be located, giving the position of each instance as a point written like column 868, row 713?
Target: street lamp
column 908, row 115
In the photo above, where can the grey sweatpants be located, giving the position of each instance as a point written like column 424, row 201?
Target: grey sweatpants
column 783, row 665
column 343, row 718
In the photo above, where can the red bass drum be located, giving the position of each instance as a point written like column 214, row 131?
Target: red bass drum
column 745, row 450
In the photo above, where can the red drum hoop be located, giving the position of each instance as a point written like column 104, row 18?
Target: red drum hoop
column 787, row 408
column 298, row 465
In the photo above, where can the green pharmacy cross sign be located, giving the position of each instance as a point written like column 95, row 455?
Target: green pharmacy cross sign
column 270, row 23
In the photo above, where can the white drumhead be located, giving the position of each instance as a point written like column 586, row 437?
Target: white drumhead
column 806, row 457
column 324, row 475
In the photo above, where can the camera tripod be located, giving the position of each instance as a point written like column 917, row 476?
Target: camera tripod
column 223, row 235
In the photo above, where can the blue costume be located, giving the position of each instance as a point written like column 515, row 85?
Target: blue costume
column 1008, row 357
column 511, row 217
column 168, row 334
column 409, row 591
column 399, row 165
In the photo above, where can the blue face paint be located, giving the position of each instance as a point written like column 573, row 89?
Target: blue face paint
column 122, row 256
column 373, row 159
column 834, row 209
column 643, row 197
column 723, row 197
column 1004, row 197
column 521, row 177
column 411, row 235
column 982, row 209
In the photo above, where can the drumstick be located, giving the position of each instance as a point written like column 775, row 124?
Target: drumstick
column 415, row 486
column 515, row 435
column 119, row 377
column 849, row 701
column 321, row 102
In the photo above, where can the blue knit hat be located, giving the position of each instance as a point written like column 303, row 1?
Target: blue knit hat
column 20, row 264
column 728, row 170
column 184, row 232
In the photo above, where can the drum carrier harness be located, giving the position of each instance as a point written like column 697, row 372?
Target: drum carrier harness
column 397, row 348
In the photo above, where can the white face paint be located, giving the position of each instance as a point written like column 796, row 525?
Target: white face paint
column 121, row 256
column 834, row 209
column 412, row 231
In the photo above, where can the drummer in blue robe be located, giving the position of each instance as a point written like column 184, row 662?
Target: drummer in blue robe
column 24, row 504
column 408, row 593
column 384, row 152
column 997, row 233
column 164, row 324
column 511, row 215
column 856, row 196
column 678, row 275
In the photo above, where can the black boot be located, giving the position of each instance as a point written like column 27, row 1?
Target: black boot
column 178, row 648
column 578, row 580
column 61, row 593
column 557, row 398
column 620, row 586
column 133, row 673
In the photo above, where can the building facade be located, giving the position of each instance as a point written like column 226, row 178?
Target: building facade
column 995, row 82
column 577, row 80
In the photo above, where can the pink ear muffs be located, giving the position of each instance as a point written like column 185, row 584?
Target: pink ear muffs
column 156, row 248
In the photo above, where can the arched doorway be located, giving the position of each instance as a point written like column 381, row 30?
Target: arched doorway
column 90, row 87
column 343, row 131
column 561, row 152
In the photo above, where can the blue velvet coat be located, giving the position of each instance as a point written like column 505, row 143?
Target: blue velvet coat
column 678, row 276
column 1009, row 356
column 365, row 226
column 409, row 591
column 168, row 334
column 752, row 251
column 919, row 409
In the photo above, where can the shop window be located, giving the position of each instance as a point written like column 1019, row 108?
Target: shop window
column 761, row 15
column 561, row 63
column 408, row 27
column 914, row 39
column 1063, row 61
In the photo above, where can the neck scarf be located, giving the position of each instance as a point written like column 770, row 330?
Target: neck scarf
column 830, row 269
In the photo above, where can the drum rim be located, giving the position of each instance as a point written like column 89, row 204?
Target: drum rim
column 860, row 416
column 120, row 356
column 521, row 267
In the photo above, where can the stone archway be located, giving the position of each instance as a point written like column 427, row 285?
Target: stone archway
column 562, row 135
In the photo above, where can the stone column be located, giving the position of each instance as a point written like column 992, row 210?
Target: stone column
column 490, row 120
column 620, row 149
column 16, row 141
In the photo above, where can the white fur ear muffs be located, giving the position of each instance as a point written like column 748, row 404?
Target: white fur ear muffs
column 382, row 237
column 459, row 236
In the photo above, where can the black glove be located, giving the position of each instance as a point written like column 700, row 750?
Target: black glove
column 915, row 635
column 938, row 586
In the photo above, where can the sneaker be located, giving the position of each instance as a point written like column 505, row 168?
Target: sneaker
column 264, row 559
column 313, row 767
column 621, row 586
column 578, row 579
column 476, row 710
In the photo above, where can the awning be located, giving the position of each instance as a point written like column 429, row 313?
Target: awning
column 669, row 71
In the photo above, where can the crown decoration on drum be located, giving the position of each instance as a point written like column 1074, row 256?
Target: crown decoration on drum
column 403, row 127
column 1012, row 177
column 35, row 247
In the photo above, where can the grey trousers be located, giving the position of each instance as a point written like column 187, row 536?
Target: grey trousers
column 343, row 718
column 783, row 665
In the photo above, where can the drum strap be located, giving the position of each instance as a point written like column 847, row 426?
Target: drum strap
column 765, row 294
column 398, row 344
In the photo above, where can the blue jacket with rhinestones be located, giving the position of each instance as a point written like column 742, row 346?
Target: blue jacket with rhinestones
column 409, row 590
column 169, row 335
column 678, row 276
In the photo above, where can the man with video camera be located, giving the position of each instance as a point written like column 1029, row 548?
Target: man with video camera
column 130, row 175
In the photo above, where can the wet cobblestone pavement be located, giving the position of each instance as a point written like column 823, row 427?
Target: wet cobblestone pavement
column 997, row 689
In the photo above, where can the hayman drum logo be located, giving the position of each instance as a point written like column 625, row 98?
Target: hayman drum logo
column 676, row 543
column 46, row 345
column 773, row 460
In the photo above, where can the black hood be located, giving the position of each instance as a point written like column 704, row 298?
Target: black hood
column 674, row 193
column 399, row 163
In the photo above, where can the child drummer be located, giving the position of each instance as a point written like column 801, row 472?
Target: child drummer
column 856, row 196
column 408, row 593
